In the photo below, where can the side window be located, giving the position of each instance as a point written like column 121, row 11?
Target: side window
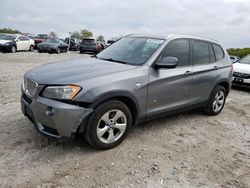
column 22, row 38
column 200, row 53
column 179, row 49
column 211, row 54
column 219, row 54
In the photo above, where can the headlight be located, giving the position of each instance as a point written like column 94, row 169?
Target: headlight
column 7, row 43
column 61, row 92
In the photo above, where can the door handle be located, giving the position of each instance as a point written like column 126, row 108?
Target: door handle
column 188, row 72
column 215, row 67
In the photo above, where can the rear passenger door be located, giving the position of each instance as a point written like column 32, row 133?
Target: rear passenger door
column 204, row 70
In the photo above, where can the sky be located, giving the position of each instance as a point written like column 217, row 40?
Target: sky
column 227, row 21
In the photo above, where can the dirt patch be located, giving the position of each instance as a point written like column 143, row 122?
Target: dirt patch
column 184, row 150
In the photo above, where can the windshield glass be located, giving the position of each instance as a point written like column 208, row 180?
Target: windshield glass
column 52, row 41
column 245, row 60
column 131, row 50
column 7, row 37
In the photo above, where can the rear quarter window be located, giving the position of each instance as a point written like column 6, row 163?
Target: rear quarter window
column 219, row 53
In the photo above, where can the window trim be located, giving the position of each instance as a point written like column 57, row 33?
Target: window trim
column 215, row 53
column 177, row 67
column 210, row 44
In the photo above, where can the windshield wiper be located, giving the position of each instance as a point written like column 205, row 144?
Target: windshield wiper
column 113, row 60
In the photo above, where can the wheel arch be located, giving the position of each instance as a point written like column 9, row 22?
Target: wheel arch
column 124, row 96
column 224, row 83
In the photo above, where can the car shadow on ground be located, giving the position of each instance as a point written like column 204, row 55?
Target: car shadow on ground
column 238, row 88
column 146, row 128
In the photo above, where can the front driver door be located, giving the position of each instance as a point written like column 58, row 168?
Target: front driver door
column 169, row 89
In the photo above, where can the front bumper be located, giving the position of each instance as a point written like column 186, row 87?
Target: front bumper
column 46, row 49
column 4, row 47
column 241, row 82
column 53, row 118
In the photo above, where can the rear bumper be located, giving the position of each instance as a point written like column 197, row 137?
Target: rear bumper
column 52, row 118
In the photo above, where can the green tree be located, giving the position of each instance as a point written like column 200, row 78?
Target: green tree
column 240, row 52
column 9, row 30
column 75, row 34
column 86, row 34
column 100, row 38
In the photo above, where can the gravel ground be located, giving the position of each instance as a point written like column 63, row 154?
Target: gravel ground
column 184, row 150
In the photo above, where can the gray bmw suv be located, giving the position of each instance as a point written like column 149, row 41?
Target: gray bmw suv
column 137, row 78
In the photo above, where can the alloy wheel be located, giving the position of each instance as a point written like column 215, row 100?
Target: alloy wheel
column 219, row 100
column 111, row 126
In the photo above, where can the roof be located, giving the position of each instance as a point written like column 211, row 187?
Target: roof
column 170, row 36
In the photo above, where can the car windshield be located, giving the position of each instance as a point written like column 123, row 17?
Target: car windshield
column 131, row 50
column 7, row 37
column 245, row 60
column 52, row 41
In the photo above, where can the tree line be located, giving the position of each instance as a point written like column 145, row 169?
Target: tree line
column 240, row 52
column 75, row 34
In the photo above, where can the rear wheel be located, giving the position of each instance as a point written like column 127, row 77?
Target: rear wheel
column 13, row 49
column 31, row 48
column 108, row 125
column 216, row 101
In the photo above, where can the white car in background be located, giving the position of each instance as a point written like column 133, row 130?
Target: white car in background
column 13, row 43
column 234, row 59
column 241, row 72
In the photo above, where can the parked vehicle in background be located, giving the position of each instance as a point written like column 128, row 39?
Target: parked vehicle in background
column 234, row 59
column 109, row 42
column 13, row 43
column 52, row 45
column 241, row 74
column 40, row 38
column 137, row 78
column 74, row 43
column 89, row 45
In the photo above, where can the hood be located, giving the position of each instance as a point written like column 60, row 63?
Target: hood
column 241, row 67
column 74, row 71
column 4, row 41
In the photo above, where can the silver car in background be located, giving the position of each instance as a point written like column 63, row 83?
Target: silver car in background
column 138, row 78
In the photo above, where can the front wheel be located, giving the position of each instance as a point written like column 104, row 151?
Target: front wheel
column 108, row 125
column 216, row 101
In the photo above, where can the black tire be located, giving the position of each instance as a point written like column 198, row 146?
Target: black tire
column 209, row 109
column 94, row 119
column 31, row 48
column 13, row 49
column 39, row 51
column 58, row 50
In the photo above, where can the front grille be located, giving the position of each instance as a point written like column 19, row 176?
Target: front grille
column 30, row 87
column 241, row 75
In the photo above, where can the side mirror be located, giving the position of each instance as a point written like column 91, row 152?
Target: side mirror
column 167, row 63
column 17, row 40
